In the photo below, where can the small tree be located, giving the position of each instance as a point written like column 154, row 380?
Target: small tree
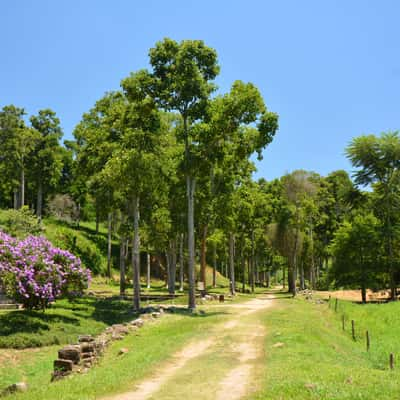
column 356, row 249
column 63, row 207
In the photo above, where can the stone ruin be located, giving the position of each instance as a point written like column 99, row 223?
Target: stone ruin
column 79, row 357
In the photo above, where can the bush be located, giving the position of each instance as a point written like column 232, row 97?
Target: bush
column 20, row 223
column 78, row 244
column 63, row 208
column 34, row 273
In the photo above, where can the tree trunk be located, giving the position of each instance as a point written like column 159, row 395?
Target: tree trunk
column 214, row 282
column 393, row 286
column 97, row 219
column 232, row 263
column 363, row 293
column 257, row 269
column 148, row 271
column 15, row 199
column 181, row 263
column 122, row 272
column 39, row 202
column 203, row 261
column 109, row 231
column 243, row 264
column 168, row 262
column 136, row 255
column 22, row 190
column 302, row 284
column 293, row 267
column 190, row 182
column 252, row 262
column 172, row 267
column 313, row 281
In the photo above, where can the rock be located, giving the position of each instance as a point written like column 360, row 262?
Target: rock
column 72, row 353
column 221, row 298
column 120, row 329
column 85, row 338
column 138, row 322
column 15, row 388
column 133, row 327
column 63, row 365
column 122, row 351
column 85, row 356
column 278, row 345
column 156, row 315
column 87, row 348
column 116, row 336
column 88, row 362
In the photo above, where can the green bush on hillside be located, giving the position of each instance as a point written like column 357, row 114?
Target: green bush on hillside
column 20, row 223
column 75, row 242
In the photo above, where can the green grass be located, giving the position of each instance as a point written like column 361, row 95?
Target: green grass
column 61, row 323
column 150, row 346
column 320, row 361
column 382, row 322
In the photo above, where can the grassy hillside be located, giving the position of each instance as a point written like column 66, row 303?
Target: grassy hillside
column 61, row 323
column 308, row 356
column 82, row 240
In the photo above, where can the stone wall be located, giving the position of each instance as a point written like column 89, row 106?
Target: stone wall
column 79, row 357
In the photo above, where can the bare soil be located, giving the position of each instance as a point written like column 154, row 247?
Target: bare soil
column 246, row 345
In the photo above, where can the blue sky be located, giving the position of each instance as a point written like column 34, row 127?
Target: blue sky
column 330, row 69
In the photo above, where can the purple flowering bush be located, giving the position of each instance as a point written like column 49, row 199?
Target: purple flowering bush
column 34, row 272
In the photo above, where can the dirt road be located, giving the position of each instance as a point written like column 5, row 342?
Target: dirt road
column 222, row 366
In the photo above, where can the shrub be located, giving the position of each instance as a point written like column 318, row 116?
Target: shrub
column 63, row 207
column 20, row 223
column 79, row 244
column 35, row 273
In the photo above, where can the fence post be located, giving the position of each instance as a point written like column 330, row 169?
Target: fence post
column 336, row 302
column 368, row 341
column 343, row 322
column 391, row 361
column 353, row 332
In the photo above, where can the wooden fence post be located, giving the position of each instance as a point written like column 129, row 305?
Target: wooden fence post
column 336, row 303
column 368, row 341
column 391, row 361
column 353, row 331
column 343, row 321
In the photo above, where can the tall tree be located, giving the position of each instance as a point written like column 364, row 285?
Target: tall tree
column 46, row 165
column 377, row 160
column 183, row 75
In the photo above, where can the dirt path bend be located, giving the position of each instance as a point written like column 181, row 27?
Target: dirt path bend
column 234, row 347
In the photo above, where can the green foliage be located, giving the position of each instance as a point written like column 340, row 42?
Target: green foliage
column 20, row 223
column 356, row 250
column 80, row 244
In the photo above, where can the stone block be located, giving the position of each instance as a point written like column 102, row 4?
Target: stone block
column 63, row 365
column 72, row 353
